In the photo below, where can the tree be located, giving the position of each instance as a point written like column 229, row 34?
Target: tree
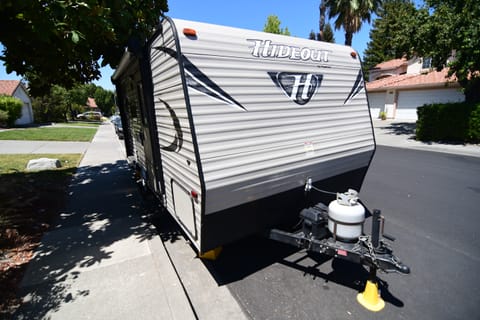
column 51, row 107
column 78, row 95
column 392, row 33
column 273, row 26
column 328, row 35
column 350, row 14
column 60, row 42
column 105, row 101
column 61, row 104
column 321, row 23
column 449, row 33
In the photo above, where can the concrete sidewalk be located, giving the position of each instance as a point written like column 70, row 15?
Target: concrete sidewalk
column 401, row 134
column 102, row 259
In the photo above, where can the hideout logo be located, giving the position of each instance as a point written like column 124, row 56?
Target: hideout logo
column 298, row 87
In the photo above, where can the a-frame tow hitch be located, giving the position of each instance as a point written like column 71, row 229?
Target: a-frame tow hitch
column 336, row 230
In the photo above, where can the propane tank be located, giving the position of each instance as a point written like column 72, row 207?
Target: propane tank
column 346, row 216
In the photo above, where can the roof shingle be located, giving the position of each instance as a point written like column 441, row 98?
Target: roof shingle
column 431, row 79
column 91, row 103
column 391, row 64
column 8, row 87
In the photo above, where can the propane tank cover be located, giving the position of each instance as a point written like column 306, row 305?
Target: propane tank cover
column 349, row 198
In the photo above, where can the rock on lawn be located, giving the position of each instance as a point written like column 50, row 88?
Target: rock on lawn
column 43, row 164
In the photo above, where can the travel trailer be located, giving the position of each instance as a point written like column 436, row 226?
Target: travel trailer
column 239, row 132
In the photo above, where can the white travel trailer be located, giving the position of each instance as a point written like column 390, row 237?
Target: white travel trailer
column 239, row 132
column 231, row 128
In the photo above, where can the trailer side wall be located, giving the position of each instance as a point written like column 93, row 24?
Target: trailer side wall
column 179, row 160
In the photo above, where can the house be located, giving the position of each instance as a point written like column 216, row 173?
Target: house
column 399, row 86
column 15, row 88
column 92, row 105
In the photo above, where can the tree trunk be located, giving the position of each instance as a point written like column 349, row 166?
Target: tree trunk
column 322, row 8
column 348, row 38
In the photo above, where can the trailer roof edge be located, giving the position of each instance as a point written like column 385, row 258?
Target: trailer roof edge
column 127, row 56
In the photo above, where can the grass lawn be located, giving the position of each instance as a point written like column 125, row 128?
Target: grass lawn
column 49, row 134
column 16, row 163
column 29, row 204
column 79, row 124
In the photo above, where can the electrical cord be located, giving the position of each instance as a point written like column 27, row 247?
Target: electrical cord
column 323, row 191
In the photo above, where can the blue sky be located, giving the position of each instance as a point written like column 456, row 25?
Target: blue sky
column 299, row 16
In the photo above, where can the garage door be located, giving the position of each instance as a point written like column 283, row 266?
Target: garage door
column 376, row 101
column 409, row 101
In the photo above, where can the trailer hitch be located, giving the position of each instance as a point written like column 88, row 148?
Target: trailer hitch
column 379, row 254
column 370, row 250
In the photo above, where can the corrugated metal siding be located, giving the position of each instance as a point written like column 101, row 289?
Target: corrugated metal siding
column 179, row 165
column 275, row 144
column 129, row 85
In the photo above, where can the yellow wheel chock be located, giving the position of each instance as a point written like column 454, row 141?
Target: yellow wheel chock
column 212, row 254
column 370, row 298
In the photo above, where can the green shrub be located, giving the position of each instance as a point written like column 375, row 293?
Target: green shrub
column 474, row 125
column 448, row 122
column 13, row 107
column 3, row 119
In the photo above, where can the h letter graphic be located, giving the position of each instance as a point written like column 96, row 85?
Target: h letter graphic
column 299, row 87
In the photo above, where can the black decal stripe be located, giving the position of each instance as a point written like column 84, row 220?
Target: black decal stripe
column 198, row 85
column 199, row 81
column 177, row 142
column 274, row 77
column 357, row 87
column 209, row 87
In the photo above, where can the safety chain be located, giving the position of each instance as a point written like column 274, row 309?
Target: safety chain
column 368, row 243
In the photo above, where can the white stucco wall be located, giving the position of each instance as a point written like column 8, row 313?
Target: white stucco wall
column 27, row 112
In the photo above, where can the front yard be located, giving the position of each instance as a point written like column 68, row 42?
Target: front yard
column 30, row 202
column 53, row 133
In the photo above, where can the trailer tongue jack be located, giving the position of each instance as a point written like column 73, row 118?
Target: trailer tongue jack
column 337, row 231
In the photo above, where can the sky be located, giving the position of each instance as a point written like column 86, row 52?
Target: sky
column 300, row 17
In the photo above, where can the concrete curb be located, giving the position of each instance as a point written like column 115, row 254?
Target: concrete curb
column 172, row 288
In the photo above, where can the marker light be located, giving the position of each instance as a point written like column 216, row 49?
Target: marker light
column 194, row 194
column 189, row 32
column 353, row 54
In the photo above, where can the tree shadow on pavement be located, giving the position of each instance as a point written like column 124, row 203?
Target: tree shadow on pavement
column 408, row 129
column 166, row 227
column 103, row 223
column 401, row 129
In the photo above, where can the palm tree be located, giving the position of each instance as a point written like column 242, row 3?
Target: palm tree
column 323, row 9
column 350, row 14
